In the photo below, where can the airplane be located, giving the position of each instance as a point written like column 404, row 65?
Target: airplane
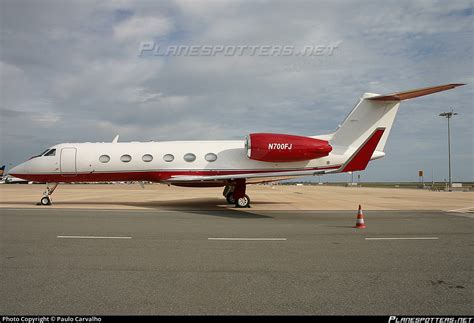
column 2, row 171
column 8, row 179
column 232, row 164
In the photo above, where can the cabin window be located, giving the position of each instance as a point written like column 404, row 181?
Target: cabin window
column 168, row 158
column 104, row 159
column 126, row 158
column 52, row 152
column 147, row 158
column 210, row 157
column 189, row 157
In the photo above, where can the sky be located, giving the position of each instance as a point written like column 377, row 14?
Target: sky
column 71, row 71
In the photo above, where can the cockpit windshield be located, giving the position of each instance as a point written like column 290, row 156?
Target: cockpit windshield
column 44, row 152
column 52, row 152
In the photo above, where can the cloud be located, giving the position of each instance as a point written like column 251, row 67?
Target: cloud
column 46, row 120
column 142, row 28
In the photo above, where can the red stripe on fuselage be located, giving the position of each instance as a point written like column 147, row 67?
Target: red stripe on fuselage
column 152, row 176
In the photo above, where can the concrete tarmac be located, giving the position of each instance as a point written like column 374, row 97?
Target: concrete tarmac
column 80, row 261
column 263, row 197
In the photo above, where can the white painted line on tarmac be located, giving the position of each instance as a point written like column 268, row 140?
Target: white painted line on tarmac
column 248, row 239
column 90, row 237
column 401, row 238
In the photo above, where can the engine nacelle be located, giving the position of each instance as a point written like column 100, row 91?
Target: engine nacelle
column 278, row 148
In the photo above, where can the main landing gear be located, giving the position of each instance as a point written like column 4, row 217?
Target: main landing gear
column 46, row 200
column 235, row 194
column 243, row 201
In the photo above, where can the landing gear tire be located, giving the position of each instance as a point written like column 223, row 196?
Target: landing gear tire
column 230, row 198
column 243, row 202
column 45, row 200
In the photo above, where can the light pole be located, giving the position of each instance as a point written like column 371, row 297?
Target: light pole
column 449, row 115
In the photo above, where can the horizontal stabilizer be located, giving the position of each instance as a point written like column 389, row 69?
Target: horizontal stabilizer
column 410, row 94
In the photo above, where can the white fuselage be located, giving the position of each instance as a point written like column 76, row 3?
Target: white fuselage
column 83, row 162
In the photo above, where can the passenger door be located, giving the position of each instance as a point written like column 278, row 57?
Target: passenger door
column 68, row 161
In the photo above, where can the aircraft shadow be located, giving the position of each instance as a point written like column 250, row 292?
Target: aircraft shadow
column 202, row 206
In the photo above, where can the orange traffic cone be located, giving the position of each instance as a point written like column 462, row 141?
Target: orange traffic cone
column 360, row 219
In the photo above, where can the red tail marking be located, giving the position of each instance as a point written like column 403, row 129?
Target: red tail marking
column 362, row 157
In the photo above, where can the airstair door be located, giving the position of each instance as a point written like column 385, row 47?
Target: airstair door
column 68, row 161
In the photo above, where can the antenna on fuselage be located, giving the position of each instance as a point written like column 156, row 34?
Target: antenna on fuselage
column 115, row 139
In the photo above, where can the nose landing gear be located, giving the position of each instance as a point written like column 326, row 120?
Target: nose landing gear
column 46, row 200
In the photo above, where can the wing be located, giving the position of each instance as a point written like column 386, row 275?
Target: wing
column 251, row 178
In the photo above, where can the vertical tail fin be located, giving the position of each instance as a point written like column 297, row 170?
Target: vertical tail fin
column 367, row 116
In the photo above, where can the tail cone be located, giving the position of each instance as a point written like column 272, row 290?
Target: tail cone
column 360, row 219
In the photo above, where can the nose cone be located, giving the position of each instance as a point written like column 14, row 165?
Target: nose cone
column 18, row 171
